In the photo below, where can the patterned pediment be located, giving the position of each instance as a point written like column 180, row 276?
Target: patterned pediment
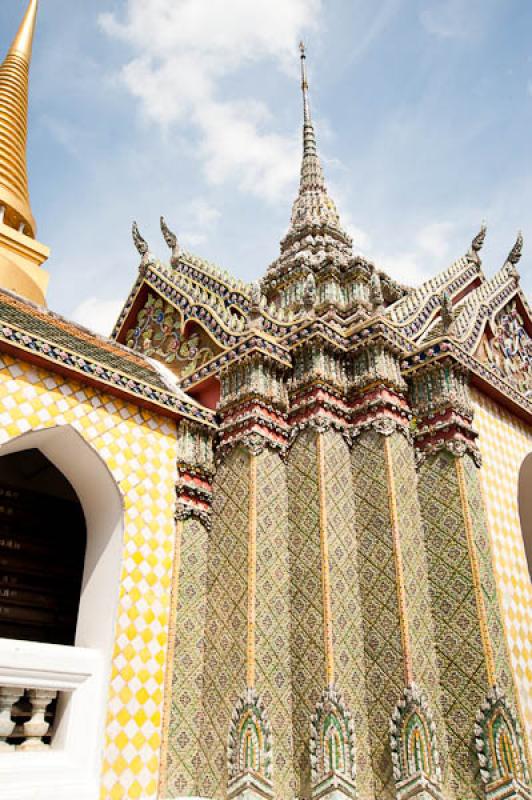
column 506, row 345
column 159, row 331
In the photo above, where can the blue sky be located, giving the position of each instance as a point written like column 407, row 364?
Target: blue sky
column 191, row 109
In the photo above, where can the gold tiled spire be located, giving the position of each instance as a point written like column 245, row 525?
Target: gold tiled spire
column 21, row 256
column 14, row 80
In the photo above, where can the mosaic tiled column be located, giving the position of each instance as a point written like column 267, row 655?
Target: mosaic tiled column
column 182, row 728
column 307, row 623
column 272, row 671
column 398, row 630
column 183, row 740
column 398, row 633
column 469, row 634
column 346, row 616
column 224, row 677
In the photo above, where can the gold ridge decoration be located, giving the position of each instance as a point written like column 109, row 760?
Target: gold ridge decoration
column 475, row 571
column 158, row 332
column 252, row 569
column 325, row 575
column 398, row 559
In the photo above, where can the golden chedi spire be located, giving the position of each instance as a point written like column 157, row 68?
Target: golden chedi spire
column 20, row 254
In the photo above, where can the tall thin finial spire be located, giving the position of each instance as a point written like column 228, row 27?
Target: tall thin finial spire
column 14, row 86
column 312, row 203
column 23, row 42
column 21, row 255
column 304, row 83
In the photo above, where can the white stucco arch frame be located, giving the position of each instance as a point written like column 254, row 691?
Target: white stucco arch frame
column 73, row 766
column 525, row 507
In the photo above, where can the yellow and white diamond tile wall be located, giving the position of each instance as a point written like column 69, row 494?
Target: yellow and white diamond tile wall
column 140, row 450
column 505, row 441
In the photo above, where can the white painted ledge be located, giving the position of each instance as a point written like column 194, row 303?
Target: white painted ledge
column 71, row 767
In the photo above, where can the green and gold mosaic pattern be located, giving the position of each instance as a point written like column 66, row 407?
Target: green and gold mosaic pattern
column 225, row 634
column 345, row 596
column 185, row 732
column 382, row 635
column 463, row 676
column 307, row 640
column 272, row 644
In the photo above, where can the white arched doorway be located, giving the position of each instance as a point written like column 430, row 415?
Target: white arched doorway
column 71, row 766
column 525, row 507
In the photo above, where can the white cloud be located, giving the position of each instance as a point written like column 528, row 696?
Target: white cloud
column 183, row 49
column 434, row 239
column 199, row 221
column 432, row 253
column 453, row 19
column 98, row 315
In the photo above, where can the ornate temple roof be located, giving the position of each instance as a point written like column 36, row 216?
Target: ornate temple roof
column 194, row 317
column 49, row 340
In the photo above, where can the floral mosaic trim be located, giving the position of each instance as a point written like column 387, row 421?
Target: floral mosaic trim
column 498, row 741
column 413, row 740
column 249, row 744
column 332, row 738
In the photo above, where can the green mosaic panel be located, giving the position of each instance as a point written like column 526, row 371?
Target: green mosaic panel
column 224, row 678
column 184, row 742
column 416, row 581
column 459, row 647
column 345, row 600
column 376, row 569
column 272, row 634
column 307, row 648
column 489, row 588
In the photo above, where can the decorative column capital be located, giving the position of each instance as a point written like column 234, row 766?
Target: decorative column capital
column 195, row 472
column 254, row 399
column 439, row 394
column 377, row 389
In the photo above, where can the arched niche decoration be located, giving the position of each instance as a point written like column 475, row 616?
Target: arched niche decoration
column 413, row 739
column 102, row 506
column 525, row 507
column 249, row 746
column 332, row 740
column 42, row 550
column 498, row 742
column 81, row 714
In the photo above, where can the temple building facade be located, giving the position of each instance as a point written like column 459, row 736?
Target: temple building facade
column 267, row 541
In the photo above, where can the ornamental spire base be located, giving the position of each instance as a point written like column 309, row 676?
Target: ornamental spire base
column 21, row 258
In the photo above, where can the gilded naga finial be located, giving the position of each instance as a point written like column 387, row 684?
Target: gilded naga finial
column 478, row 242
column 447, row 312
column 171, row 240
column 514, row 256
column 141, row 244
